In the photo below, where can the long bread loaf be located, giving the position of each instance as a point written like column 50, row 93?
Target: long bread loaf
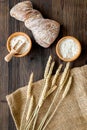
column 45, row 31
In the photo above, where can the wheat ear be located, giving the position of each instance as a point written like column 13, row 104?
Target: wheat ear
column 46, row 86
column 53, row 86
column 61, row 84
column 47, row 67
column 56, row 75
column 30, row 85
column 65, row 73
column 23, row 120
column 67, row 88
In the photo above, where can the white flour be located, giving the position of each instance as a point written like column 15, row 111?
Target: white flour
column 19, row 40
column 68, row 48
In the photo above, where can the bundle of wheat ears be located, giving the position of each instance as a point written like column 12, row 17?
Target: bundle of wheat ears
column 31, row 112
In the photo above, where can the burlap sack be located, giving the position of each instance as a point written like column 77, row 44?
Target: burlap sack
column 72, row 113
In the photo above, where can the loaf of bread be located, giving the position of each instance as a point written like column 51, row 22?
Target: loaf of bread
column 45, row 31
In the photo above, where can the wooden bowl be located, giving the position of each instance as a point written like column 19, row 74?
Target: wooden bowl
column 16, row 34
column 58, row 49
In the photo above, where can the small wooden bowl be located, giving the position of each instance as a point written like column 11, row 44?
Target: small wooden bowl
column 16, row 34
column 58, row 49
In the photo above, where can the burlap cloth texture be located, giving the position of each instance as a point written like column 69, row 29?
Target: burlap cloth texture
column 72, row 113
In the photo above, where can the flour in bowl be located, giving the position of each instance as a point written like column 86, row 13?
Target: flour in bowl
column 19, row 40
column 68, row 48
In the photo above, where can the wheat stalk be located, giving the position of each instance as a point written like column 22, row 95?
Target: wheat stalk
column 31, row 119
column 61, row 85
column 67, row 88
column 31, row 103
column 47, row 67
column 35, row 120
column 23, row 120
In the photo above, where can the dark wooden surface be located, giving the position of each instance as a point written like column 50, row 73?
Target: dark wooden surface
column 72, row 15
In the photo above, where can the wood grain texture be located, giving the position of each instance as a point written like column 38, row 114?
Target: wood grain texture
column 72, row 15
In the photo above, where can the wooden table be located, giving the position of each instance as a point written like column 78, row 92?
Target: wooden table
column 71, row 14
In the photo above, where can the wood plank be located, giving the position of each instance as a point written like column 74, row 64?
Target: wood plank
column 4, row 12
